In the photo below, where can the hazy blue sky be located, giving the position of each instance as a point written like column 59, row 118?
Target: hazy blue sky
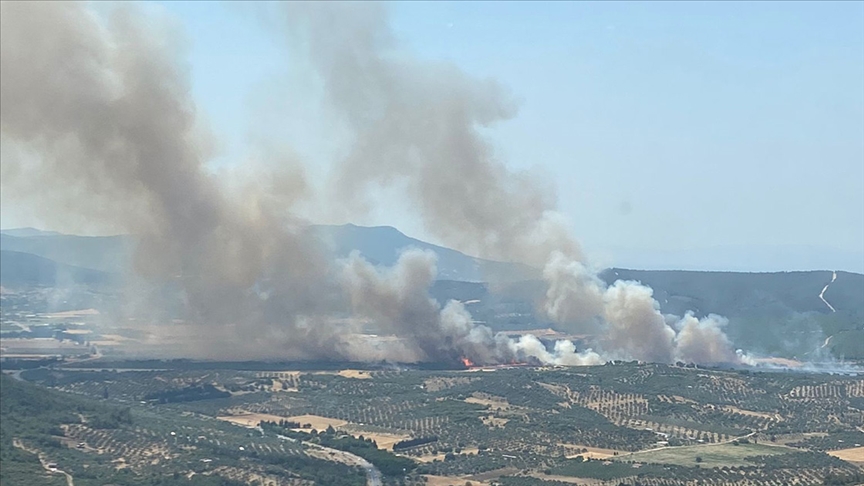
column 667, row 127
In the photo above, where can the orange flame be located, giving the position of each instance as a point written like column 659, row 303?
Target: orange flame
column 467, row 362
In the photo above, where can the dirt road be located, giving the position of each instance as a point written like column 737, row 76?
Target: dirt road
column 69, row 482
column 373, row 475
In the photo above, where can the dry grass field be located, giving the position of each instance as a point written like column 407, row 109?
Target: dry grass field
column 250, row 419
column 854, row 454
column 718, row 455
column 451, row 481
column 73, row 313
column 317, row 422
column 574, row 450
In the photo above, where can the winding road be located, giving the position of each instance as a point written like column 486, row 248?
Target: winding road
column 17, row 443
column 822, row 294
column 373, row 475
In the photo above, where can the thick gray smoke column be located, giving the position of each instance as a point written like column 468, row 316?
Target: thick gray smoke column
column 104, row 113
column 703, row 341
column 628, row 320
column 418, row 123
column 398, row 300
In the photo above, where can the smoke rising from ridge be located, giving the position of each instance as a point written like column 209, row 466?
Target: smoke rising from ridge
column 418, row 123
column 104, row 110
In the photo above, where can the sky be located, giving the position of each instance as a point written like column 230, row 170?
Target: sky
column 695, row 135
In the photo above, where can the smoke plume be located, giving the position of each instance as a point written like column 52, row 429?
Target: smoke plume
column 397, row 299
column 419, row 123
column 105, row 110
column 100, row 112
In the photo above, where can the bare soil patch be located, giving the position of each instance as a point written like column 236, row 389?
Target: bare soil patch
column 430, row 457
column 574, row 450
column 565, row 479
column 492, row 421
column 439, row 383
column 251, row 419
column 73, row 313
column 854, row 454
column 317, row 422
column 494, row 474
column 358, row 374
column 493, row 402
column 750, row 412
column 385, row 440
column 451, row 481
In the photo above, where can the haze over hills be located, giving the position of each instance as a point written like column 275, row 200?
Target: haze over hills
column 104, row 253
column 768, row 309
column 750, row 258
column 382, row 245
column 21, row 269
column 677, row 291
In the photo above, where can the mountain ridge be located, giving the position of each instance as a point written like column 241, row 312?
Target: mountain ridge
column 766, row 310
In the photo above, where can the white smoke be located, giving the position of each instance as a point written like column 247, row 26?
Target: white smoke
column 631, row 325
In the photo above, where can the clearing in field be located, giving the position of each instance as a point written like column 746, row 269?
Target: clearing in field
column 358, row 374
column 250, row 419
column 429, row 457
column 439, row 383
column 493, row 402
column 384, row 440
column 855, row 454
column 73, row 313
column 317, row 422
column 751, row 413
column 574, row 450
column 718, row 455
column 565, row 479
column 491, row 421
column 450, row 481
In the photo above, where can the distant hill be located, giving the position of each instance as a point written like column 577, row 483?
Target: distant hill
column 104, row 253
column 731, row 294
column 774, row 312
column 382, row 245
column 737, row 293
column 727, row 293
column 26, row 232
column 25, row 269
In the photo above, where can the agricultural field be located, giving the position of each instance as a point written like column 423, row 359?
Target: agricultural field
column 731, row 454
column 621, row 423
